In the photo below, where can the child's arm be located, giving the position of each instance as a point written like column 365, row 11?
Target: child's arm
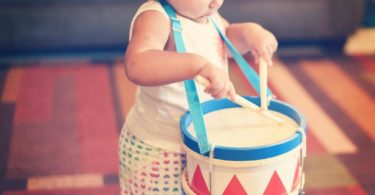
column 252, row 37
column 147, row 64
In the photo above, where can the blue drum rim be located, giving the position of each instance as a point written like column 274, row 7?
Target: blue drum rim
column 247, row 153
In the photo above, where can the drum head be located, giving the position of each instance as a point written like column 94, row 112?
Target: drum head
column 241, row 127
column 241, row 134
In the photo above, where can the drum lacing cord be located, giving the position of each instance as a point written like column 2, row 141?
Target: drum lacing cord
column 211, row 164
column 302, row 157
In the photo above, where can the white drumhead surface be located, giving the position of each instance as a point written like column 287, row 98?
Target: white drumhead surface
column 240, row 127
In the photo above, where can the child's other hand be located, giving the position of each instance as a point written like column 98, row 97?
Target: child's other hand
column 220, row 85
column 262, row 44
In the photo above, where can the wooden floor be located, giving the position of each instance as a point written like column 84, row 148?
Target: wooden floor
column 60, row 120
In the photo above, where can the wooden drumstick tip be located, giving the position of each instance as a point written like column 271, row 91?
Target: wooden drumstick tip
column 242, row 101
column 273, row 117
column 249, row 105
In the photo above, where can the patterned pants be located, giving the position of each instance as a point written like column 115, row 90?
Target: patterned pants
column 148, row 170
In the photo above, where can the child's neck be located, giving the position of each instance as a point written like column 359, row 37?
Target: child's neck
column 201, row 20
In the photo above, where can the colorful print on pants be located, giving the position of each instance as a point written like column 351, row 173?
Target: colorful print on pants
column 148, row 170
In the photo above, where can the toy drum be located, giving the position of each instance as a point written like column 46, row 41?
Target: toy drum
column 249, row 155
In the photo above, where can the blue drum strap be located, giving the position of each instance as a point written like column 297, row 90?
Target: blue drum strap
column 245, row 67
column 190, row 88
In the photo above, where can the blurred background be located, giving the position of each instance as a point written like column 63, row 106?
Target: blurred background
column 64, row 94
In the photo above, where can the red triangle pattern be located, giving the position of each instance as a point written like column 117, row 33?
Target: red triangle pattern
column 234, row 187
column 198, row 184
column 275, row 186
column 296, row 176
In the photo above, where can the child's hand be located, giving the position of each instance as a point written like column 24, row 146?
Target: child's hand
column 220, row 85
column 262, row 44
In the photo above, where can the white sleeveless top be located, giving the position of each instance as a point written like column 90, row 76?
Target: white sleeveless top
column 156, row 114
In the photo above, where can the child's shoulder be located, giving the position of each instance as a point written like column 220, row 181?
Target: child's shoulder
column 151, row 5
column 144, row 16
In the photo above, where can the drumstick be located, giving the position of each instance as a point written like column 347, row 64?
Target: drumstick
column 241, row 101
column 263, row 85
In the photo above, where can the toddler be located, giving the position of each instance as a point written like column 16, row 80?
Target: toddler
column 151, row 158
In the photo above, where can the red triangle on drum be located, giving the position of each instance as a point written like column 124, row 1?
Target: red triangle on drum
column 234, row 187
column 275, row 186
column 198, row 184
column 296, row 176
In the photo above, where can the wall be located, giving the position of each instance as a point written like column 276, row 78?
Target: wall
column 46, row 24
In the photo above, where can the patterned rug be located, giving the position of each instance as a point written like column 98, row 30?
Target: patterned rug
column 60, row 121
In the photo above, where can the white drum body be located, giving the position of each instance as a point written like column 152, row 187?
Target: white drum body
column 272, row 168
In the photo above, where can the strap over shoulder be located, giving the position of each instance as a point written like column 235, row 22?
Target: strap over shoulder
column 190, row 88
